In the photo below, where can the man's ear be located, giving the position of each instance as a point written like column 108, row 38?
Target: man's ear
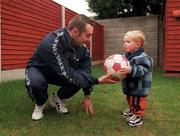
column 75, row 30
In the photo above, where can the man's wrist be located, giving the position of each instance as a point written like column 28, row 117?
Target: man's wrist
column 99, row 80
column 87, row 91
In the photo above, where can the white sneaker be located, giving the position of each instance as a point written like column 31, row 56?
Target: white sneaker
column 127, row 113
column 135, row 121
column 38, row 112
column 59, row 104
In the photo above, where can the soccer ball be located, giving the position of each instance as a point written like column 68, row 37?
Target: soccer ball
column 114, row 63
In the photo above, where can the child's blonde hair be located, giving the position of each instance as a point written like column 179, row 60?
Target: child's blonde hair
column 137, row 36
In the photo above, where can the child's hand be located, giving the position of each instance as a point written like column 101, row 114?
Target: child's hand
column 125, row 71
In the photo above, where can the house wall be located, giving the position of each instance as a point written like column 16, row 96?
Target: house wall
column 98, row 43
column 172, row 38
column 69, row 14
column 24, row 24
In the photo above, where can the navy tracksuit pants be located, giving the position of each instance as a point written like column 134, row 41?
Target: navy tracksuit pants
column 37, row 85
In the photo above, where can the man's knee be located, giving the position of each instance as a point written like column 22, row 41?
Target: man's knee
column 38, row 85
column 37, row 91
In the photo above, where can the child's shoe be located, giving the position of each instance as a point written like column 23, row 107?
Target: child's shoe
column 127, row 113
column 134, row 121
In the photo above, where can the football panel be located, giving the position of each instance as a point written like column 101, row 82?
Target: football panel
column 116, row 67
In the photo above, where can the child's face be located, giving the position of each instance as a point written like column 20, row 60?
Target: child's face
column 130, row 45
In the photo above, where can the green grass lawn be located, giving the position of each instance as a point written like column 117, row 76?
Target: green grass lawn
column 162, row 116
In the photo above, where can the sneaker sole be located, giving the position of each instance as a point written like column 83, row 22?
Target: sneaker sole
column 37, row 119
column 133, row 125
column 66, row 113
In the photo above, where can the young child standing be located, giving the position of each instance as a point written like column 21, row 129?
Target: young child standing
column 137, row 84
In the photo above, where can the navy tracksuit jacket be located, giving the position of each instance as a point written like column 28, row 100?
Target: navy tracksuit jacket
column 57, row 61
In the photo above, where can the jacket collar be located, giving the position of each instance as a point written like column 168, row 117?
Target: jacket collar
column 129, row 56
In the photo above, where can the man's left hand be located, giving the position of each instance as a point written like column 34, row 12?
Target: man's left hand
column 106, row 79
column 87, row 104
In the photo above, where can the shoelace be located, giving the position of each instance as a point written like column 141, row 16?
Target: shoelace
column 133, row 117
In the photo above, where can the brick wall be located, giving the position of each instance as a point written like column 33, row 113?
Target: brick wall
column 114, row 30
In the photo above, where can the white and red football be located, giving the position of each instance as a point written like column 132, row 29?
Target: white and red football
column 114, row 63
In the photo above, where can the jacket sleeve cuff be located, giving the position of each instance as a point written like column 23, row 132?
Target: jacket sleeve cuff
column 87, row 91
column 96, row 81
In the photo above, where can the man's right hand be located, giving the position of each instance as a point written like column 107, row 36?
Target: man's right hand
column 87, row 104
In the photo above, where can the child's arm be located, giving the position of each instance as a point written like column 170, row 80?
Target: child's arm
column 141, row 67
